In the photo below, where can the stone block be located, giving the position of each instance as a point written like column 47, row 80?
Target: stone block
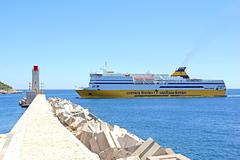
column 58, row 112
column 79, row 114
column 96, row 125
column 85, row 137
column 84, row 127
column 69, row 120
column 77, row 134
column 115, row 140
column 68, row 108
column 128, row 140
column 87, row 126
column 151, row 151
column 75, row 110
column 94, row 146
column 116, row 130
column 113, row 153
column 85, row 113
column 104, row 140
column 169, row 151
column 93, row 116
column 92, row 127
column 55, row 108
column 161, row 151
column 63, row 116
column 168, row 157
column 119, row 132
column 141, row 150
column 77, row 123
column 104, row 126
column 133, row 148
column 88, row 118
column 130, row 158
column 107, row 154
column 121, row 153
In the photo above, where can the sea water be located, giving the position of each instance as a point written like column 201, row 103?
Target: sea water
column 200, row 128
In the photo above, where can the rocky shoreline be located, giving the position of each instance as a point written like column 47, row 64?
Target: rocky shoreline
column 10, row 91
column 110, row 142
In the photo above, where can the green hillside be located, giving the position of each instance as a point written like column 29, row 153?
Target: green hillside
column 4, row 86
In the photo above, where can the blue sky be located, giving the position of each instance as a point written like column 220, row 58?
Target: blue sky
column 70, row 39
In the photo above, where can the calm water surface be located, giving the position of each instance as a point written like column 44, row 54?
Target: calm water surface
column 201, row 128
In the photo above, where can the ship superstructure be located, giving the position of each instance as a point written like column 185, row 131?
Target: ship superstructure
column 113, row 85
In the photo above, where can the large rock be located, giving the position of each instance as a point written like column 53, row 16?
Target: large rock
column 148, row 148
column 95, row 126
column 56, row 107
column 168, row 157
column 151, row 151
column 169, row 151
column 113, row 153
column 62, row 116
column 141, row 149
column 119, row 132
column 68, row 108
column 87, row 126
column 104, row 126
column 81, row 114
column 128, row 140
column 105, row 141
column 130, row 158
column 77, row 123
column 85, row 137
column 59, row 111
column 133, row 148
column 115, row 140
column 94, row 147
column 93, row 116
column 69, row 120
column 164, row 151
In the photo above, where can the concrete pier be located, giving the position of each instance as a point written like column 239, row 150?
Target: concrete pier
column 59, row 129
column 39, row 135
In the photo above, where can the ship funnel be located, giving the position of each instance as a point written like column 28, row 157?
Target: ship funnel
column 180, row 72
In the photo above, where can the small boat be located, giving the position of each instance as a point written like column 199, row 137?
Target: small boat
column 23, row 103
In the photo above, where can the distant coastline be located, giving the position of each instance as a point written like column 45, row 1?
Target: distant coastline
column 7, row 89
column 10, row 92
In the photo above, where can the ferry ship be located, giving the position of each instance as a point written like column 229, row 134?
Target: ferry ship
column 108, row 84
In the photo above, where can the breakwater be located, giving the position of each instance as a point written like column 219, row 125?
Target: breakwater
column 39, row 135
column 108, row 141
column 59, row 129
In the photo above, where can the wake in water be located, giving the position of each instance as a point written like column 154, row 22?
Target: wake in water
column 233, row 96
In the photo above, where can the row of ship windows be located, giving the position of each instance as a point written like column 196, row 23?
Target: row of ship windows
column 181, row 87
column 161, row 83
column 131, row 81
column 97, row 86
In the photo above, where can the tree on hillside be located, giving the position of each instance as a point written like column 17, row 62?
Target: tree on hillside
column 4, row 86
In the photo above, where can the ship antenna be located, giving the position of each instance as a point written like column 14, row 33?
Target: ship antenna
column 104, row 67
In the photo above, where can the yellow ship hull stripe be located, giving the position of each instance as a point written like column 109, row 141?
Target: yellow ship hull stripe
column 149, row 93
